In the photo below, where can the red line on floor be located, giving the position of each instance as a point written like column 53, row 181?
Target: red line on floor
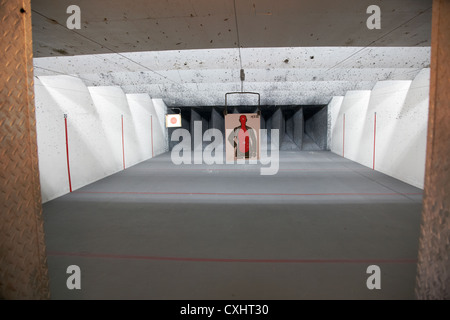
column 319, row 169
column 247, row 169
column 247, row 194
column 187, row 259
column 67, row 152
column 123, row 145
column 374, row 137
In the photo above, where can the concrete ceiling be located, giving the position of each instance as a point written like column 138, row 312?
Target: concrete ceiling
column 142, row 25
column 186, row 52
column 283, row 76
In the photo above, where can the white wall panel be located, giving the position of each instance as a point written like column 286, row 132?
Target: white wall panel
column 94, row 131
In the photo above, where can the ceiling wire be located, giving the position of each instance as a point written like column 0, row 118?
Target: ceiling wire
column 378, row 39
column 62, row 73
column 238, row 42
column 113, row 51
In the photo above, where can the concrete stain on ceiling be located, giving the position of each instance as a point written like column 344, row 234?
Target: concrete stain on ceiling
column 202, row 24
column 202, row 77
column 293, row 52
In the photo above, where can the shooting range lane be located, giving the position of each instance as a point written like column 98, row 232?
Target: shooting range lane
column 161, row 231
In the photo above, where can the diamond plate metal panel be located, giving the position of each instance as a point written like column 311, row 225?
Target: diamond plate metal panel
column 433, row 271
column 23, row 267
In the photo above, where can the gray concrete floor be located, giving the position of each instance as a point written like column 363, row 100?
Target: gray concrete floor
column 160, row 231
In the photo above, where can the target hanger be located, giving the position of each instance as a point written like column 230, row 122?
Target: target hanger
column 225, row 112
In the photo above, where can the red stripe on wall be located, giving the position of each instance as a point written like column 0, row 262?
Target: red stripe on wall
column 123, row 145
column 374, row 137
column 151, row 128
column 343, row 138
column 67, row 152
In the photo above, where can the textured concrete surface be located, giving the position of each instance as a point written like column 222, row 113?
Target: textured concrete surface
column 195, row 118
column 288, row 145
column 289, row 126
column 316, row 128
column 333, row 114
column 433, row 276
column 263, row 123
column 309, row 144
column 160, row 231
column 298, row 128
column 178, row 25
column 289, row 120
column 217, row 120
column 279, row 123
column 294, row 123
column 283, row 76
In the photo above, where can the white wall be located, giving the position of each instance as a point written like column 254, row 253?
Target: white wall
column 333, row 113
column 51, row 139
column 142, row 111
column 94, row 131
column 402, row 131
column 160, row 141
column 354, row 106
column 401, row 128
